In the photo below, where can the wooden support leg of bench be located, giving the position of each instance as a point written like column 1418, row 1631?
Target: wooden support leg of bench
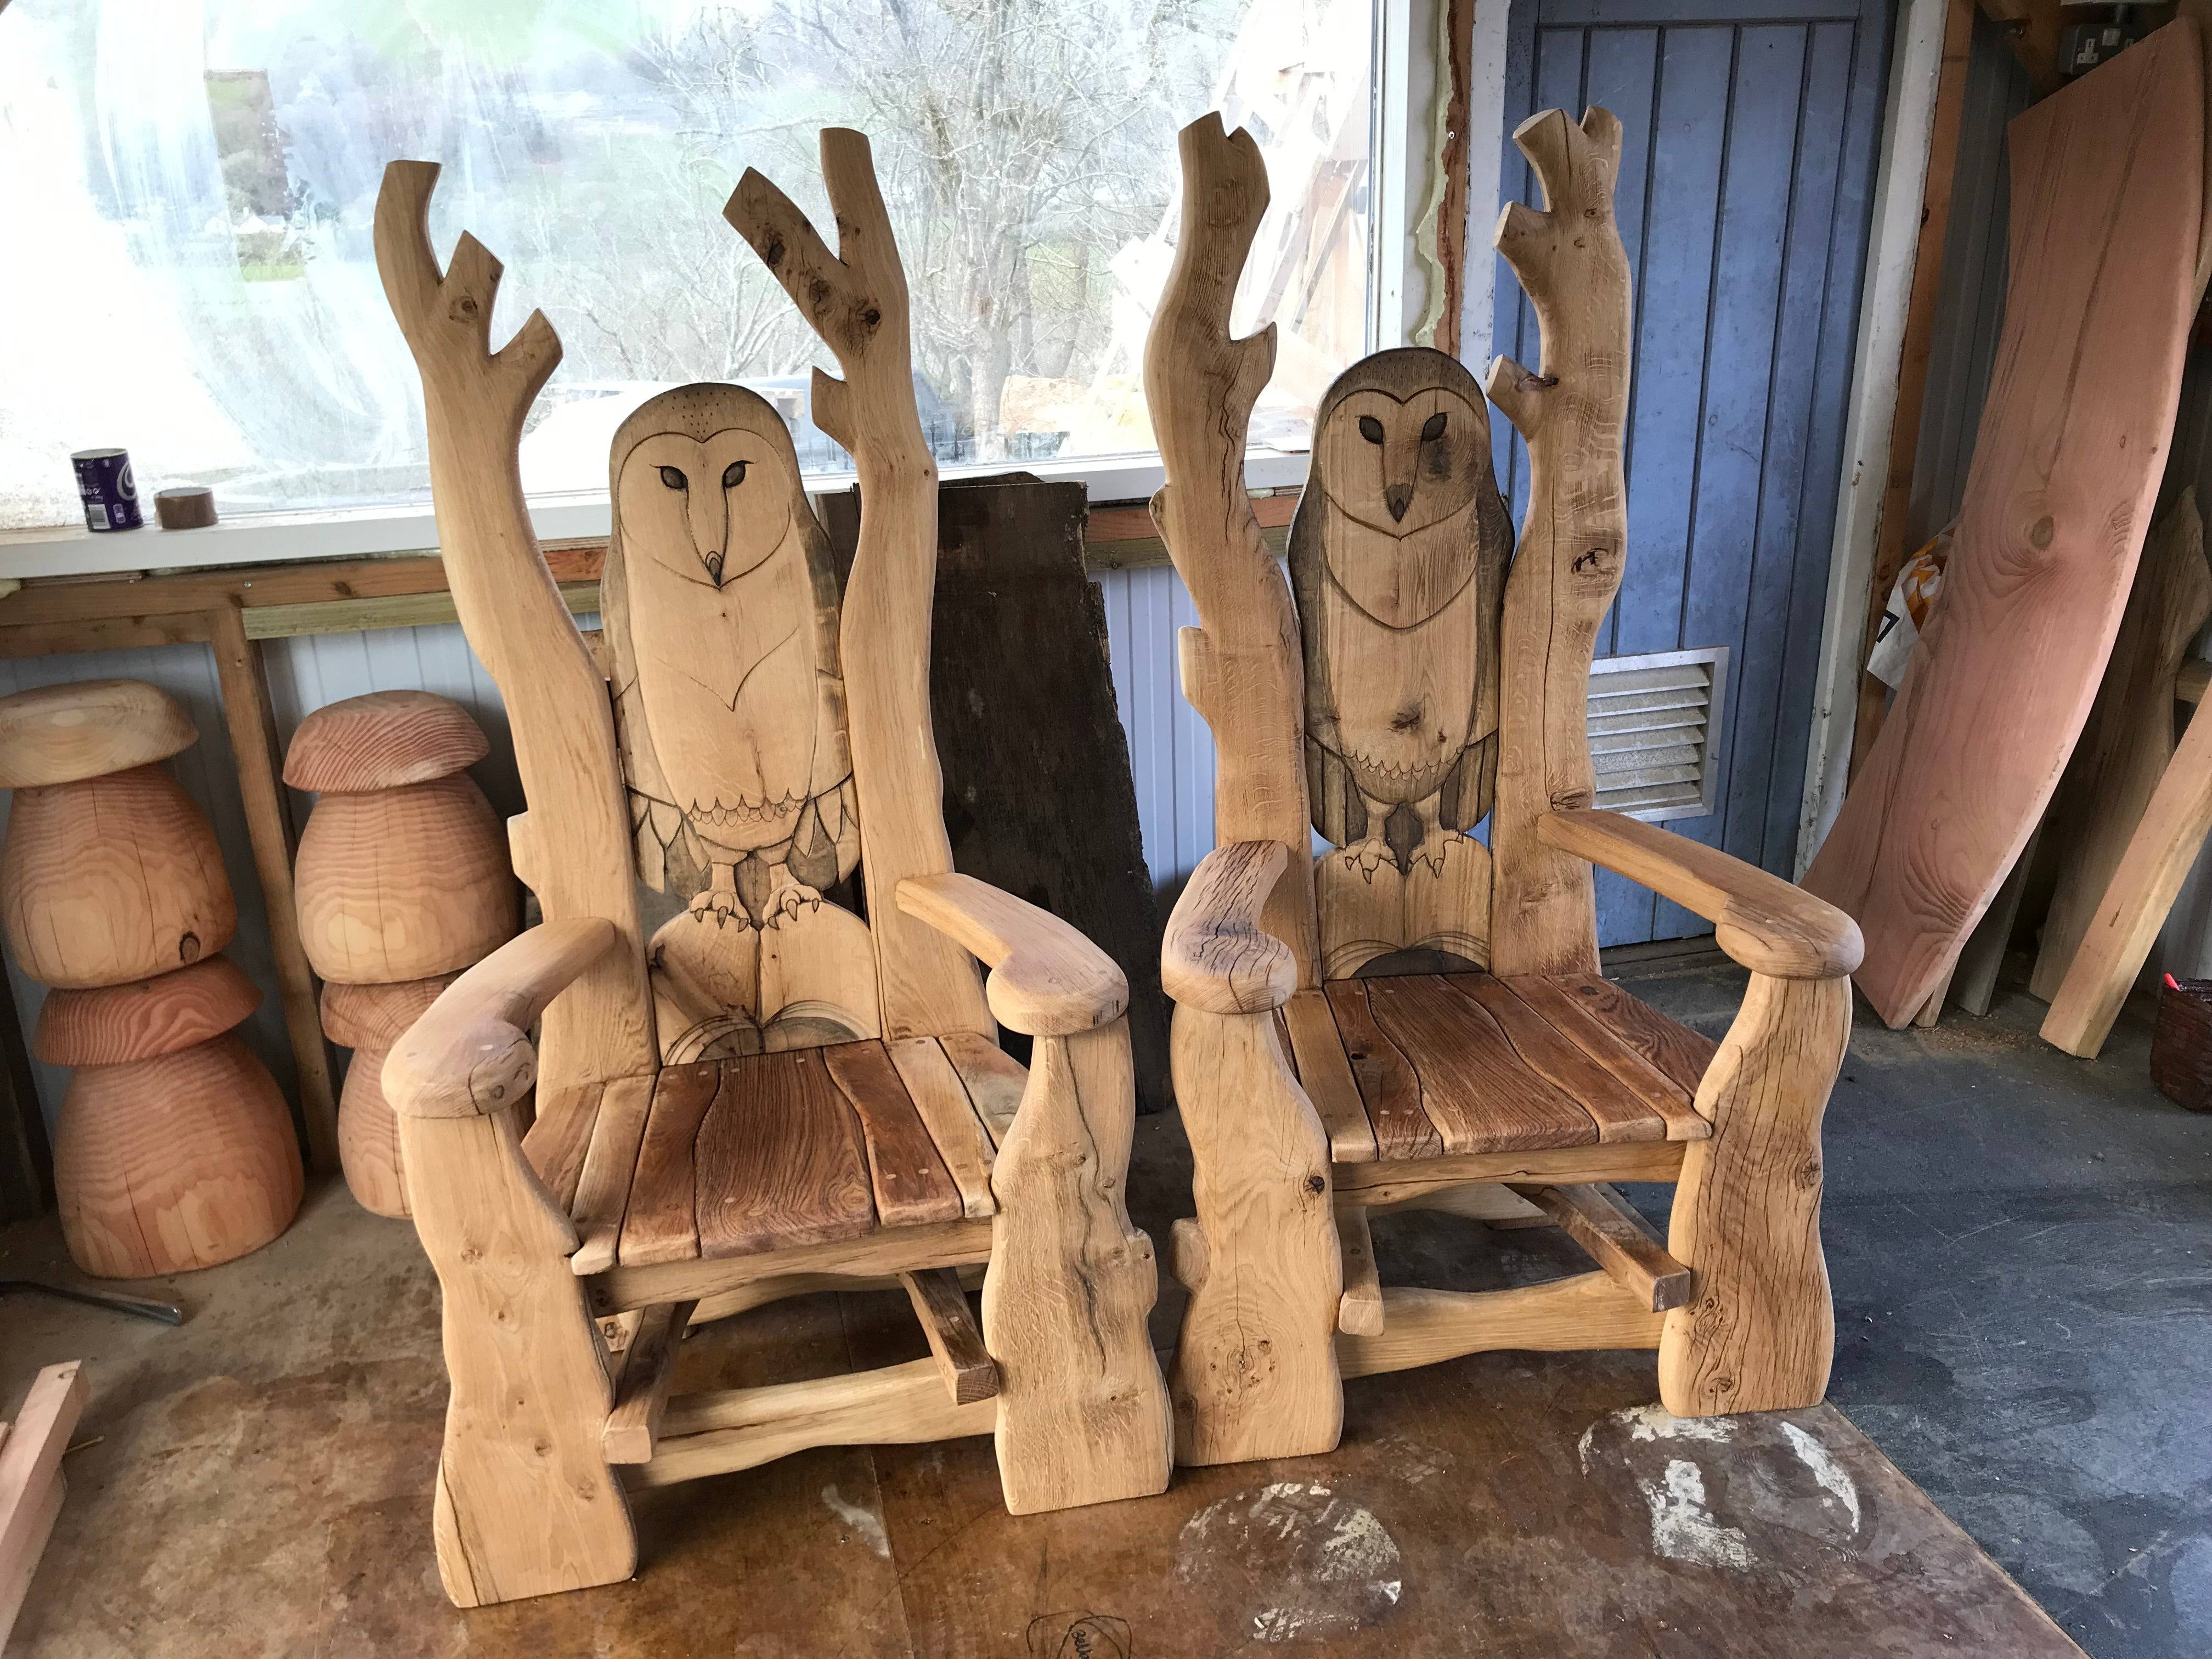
column 1254, row 1371
column 1760, row 1329
column 1082, row 1412
column 527, row 1504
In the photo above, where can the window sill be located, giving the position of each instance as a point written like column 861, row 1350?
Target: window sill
column 370, row 533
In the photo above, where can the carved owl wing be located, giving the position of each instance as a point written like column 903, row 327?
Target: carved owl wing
column 1333, row 802
column 659, row 829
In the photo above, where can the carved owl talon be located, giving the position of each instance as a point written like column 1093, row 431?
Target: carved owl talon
column 723, row 906
column 1435, row 849
column 787, row 902
column 1368, row 856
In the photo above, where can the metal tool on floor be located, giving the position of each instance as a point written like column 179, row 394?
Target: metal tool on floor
column 165, row 1313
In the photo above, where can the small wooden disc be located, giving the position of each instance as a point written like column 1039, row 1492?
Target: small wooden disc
column 378, row 1016
column 384, row 740
column 62, row 733
column 188, row 506
column 145, row 1020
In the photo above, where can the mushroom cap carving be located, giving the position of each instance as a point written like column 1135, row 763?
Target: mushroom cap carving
column 65, row 733
column 384, row 740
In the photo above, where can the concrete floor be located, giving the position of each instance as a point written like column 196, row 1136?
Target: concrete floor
column 2022, row 1247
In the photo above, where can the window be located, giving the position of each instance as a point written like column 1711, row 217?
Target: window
column 197, row 179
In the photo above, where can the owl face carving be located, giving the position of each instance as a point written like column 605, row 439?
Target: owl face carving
column 723, row 500
column 1400, row 467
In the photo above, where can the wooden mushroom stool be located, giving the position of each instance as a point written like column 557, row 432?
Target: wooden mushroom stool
column 176, row 1149
column 403, row 871
column 368, row 1019
column 403, row 881
column 110, row 873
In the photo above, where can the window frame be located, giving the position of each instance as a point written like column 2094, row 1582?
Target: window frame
column 1397, row 163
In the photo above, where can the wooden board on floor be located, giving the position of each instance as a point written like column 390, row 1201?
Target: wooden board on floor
column 2107, row 178
column 1039, row 800
column 2125, row 746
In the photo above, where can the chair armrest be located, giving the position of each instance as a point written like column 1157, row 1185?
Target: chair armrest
column 1763, row 921
column 471, row 1055
column 1216, row 956
column 1046, row 980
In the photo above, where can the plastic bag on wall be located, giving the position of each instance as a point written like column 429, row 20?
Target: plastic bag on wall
column 1911, row 603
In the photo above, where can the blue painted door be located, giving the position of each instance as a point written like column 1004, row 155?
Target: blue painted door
column 1751, row 131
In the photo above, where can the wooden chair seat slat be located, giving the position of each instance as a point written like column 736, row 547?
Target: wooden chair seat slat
column 1553, row 1055
column 557, row 1142
column 1386, row 1083
column 1581, row 1015
column 1326, row 1076
column 610, row 1166
column 1673, row 1048
column 795, row 1148
column 909, row 1181
column 994, row 1080
column 1506, row 1066
column 662, row 1221
column 1478, row 1090
column 780, row 1159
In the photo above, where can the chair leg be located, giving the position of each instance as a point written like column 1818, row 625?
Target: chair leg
column 525, row 1503
column 1256, row 1372
column 1760, row 1329
column 1082, row 1412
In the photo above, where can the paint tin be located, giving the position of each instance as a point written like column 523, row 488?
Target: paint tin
column 110, row 496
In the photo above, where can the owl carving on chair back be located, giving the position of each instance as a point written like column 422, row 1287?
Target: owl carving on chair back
column 721, row 617
column 1398, row 555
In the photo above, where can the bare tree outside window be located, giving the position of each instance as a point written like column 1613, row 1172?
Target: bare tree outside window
column 210, row 168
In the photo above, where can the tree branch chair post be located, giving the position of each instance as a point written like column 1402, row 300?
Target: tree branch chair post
column 1416, row 687
column 741, row 1089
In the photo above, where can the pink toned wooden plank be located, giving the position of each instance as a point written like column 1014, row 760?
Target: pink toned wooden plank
column 2108, row 179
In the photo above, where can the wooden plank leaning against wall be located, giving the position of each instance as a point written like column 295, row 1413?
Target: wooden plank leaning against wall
column 232, row 610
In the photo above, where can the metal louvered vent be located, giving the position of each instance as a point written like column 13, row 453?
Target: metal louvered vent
column 1654, row 724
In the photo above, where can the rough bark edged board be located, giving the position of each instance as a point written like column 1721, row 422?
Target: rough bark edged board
column 1039, row 800
column 2072, row 443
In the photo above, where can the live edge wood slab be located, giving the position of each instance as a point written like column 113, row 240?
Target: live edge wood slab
column 2106, row 187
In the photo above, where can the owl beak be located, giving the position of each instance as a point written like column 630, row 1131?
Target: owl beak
column 1397, row 498
column 714, row 563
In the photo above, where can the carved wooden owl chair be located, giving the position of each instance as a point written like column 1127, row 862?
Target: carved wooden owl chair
column 766, row 1063
column 1323, row 1066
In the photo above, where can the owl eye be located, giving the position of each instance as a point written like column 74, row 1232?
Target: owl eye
column 733, row 475
column 1432, row 428
column 1370, row 429
column 674, row 478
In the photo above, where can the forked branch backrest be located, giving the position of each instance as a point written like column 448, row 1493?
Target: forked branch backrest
column 1440, row 683
column 1398, row 556
column 721, row 643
